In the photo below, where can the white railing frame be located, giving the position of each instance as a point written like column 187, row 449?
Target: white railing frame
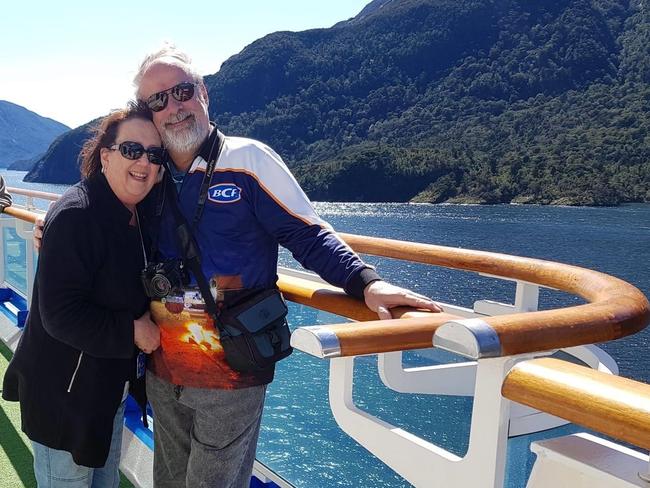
column 459, row 378
column 645, row 475
column 586, row 461
column 25, row 232
column 423, row 463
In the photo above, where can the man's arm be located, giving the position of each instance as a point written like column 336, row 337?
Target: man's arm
column 286, row 212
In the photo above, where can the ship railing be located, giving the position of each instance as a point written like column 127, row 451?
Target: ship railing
column 503, row 343
column 31, row 195
column 505, row 348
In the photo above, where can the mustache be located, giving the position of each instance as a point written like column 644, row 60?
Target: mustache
column 177, row 117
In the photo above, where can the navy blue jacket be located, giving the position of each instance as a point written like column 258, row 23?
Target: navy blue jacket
column 254, row 203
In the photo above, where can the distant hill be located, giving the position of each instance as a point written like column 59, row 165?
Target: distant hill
column 24, row 164
column 482, row 101
column 60, row 162
column 24, row 134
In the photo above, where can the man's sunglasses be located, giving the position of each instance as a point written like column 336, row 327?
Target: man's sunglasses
column 135, row 150
column 181, row 92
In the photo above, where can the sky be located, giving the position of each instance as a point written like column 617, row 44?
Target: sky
column 73, row 61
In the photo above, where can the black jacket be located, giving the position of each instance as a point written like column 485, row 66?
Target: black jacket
column 77, row 350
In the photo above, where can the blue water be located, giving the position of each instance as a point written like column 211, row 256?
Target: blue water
column 299, row 437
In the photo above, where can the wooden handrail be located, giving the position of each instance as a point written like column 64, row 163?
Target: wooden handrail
column 615, row 406
column 371, row 335
column 22, row 214
column 617, row 309
column 323, row 297
column 33, row 193
column 334, row 300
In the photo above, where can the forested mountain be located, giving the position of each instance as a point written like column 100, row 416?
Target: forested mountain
column 60, row 163
column 454, row 100
column 24, row 134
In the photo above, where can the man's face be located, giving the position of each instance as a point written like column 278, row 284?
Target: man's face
column 183, row 125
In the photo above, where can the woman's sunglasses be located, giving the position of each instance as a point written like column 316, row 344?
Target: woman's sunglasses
column 134, row 151
column 181, row 92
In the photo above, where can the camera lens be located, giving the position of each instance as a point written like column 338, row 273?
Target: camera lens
column 160, row 286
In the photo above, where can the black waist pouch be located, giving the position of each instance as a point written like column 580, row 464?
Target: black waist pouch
column 254, row 333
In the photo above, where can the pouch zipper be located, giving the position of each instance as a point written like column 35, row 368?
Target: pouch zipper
column 74, row 375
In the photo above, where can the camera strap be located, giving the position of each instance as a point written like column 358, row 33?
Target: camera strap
column 213, row 157
column 189, row 249
column 169, row 194
column 249, row 345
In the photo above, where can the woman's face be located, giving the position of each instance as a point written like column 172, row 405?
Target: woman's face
column 129, row 179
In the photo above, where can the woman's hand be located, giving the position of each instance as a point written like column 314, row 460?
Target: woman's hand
column 146, row 334
column 37, row 236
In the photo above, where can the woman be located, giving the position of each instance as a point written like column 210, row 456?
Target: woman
column 79, row 350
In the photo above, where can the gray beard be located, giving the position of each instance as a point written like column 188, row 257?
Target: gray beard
column 185, row 141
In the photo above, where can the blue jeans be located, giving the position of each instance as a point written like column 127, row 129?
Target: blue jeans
column 56, row 469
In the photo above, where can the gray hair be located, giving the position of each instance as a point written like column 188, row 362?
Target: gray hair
column 168, row 54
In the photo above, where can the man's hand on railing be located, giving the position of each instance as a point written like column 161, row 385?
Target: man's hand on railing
column 381, row 296
column 37, row 235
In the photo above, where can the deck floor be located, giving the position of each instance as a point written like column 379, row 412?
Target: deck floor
column 15, row 448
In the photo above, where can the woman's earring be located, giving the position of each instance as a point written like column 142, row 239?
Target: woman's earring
column 102, row 169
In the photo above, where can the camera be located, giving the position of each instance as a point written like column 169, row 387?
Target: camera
column 159, row 279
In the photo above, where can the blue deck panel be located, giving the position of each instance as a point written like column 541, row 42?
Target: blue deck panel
column 7, row 295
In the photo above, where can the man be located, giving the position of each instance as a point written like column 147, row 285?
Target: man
column 207, row 421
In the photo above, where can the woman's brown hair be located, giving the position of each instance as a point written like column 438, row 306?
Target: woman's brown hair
column 104, row 134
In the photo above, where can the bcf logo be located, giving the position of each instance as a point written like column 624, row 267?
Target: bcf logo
column 224, row 193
